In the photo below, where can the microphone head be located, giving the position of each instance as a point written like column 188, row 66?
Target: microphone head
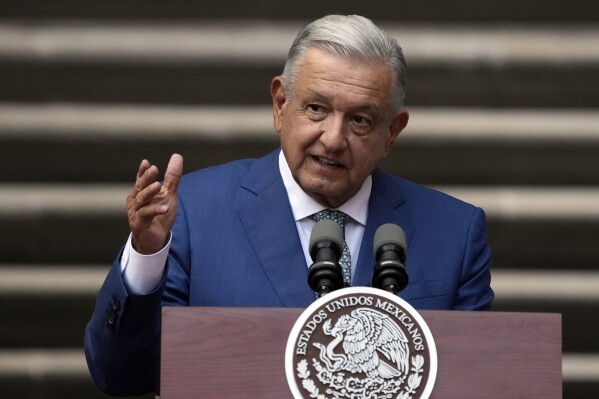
column 325, row 233
column 389, row 234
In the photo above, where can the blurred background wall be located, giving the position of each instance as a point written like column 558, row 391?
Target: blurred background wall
column 503, row 97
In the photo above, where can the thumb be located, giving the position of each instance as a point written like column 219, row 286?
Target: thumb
column 174, row 171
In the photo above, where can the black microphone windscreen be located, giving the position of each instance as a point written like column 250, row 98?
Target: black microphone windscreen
column 326, row 230
column 389, row 234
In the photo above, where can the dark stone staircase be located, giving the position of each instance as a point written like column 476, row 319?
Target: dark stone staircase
column 503, row 100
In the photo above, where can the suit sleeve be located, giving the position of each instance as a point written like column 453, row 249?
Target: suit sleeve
column 122, row 339
column 475, row 291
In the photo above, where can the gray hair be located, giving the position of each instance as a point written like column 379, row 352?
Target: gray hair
column 352, row 37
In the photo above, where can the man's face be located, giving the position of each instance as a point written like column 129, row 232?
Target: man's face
column 336, row 124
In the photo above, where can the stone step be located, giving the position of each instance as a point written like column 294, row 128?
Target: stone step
column 530, row 228
column 233, row 62
column 433, row 10
column 572, row 293
column 57, row 373
column 49, row 305
column 467, row 146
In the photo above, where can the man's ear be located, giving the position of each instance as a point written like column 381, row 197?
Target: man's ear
column 277, row 92
column 399, row 122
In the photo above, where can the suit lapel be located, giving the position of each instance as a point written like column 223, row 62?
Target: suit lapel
column 386, row 205
column 268, row 221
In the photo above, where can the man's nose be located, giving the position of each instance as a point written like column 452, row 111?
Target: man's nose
column 333, row 134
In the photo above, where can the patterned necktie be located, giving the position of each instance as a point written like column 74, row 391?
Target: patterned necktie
column 339, row 218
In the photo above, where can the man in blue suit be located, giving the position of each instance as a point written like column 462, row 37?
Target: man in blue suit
column 237, row 234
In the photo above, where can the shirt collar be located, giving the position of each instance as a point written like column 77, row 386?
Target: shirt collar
column 303, row 206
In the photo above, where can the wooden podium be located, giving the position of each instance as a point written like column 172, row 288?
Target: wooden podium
column 240, row 353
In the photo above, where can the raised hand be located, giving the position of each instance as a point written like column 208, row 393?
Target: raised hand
column 151, row 207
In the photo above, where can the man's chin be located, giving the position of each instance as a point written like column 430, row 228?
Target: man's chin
column 326, row 195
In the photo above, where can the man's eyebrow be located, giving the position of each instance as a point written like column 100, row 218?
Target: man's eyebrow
column 366, row 108
column 312, row 95
column 315, row 95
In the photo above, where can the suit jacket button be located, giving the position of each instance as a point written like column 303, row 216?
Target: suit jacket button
column 111, row 323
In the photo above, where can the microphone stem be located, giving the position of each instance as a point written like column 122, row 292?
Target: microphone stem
column 392, row 288
column 323, row 290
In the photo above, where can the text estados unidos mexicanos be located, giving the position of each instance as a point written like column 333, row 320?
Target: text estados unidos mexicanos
column 390, row 308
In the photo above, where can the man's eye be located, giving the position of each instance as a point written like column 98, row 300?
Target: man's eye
column 360, row 120
column 315, row 108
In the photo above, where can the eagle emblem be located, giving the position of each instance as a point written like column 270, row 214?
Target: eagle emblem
column 371, row 343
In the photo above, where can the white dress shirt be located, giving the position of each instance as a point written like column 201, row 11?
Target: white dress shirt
column 142, row 273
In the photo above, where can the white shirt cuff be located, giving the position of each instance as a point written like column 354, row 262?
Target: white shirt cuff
column 143, row 273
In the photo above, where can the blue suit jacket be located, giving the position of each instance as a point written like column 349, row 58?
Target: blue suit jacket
column 235, row 243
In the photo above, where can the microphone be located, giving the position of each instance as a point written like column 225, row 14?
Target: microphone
column 326, row 245
column 390, row 273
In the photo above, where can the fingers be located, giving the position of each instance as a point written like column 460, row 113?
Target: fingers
column 143, row 166
column 144, row 216
column 145, row 186
column 146, row 195
column 148, row 198
column 173, row 174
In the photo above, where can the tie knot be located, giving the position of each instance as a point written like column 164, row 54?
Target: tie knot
column 330, row 214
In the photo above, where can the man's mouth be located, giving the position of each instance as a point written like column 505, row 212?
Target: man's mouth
column 326, row 162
